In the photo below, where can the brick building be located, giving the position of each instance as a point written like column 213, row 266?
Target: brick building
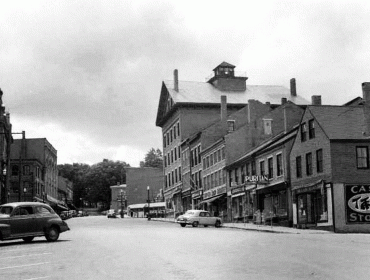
column 137, row 181
column 330, row 172
column 33, row 171
column 186, row 108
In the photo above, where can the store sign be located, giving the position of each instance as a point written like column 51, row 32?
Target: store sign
column 237, row 190
column 197, row 194
column 214, row 192
column 358, row 204
column 256, row 179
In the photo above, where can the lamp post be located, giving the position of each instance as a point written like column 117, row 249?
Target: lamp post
column 148, row 215
column 122, row 216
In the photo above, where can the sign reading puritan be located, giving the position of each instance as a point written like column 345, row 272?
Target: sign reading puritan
column 256, row 179
column 358, row 204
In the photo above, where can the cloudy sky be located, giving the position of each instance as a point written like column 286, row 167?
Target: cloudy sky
column 86, row 74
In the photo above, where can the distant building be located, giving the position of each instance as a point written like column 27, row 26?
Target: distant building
column 138, row 179
column 65, row 192
column 118, row 197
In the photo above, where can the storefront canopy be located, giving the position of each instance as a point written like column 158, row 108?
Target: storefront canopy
column 209, row 200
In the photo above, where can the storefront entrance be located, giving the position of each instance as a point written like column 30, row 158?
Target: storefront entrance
column 312, row 208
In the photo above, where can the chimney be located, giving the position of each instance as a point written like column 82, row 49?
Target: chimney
column 293, row 88
column 176, row 80
column 366, row 107
column 283, row 100
column 366, row 92
column 316, row 99
column 223, row 108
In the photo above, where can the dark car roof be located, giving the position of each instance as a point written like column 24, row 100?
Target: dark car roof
column 15, row 204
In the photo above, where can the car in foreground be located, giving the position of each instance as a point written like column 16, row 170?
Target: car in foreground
column 27, row 220
column 111, row 213
column 198, row 217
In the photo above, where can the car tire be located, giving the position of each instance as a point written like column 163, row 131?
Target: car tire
column 28, row 239
column 183, row 225
column 52, row 234
column 218, row 224
column 195, row 224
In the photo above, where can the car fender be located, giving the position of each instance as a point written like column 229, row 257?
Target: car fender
column 4, row 231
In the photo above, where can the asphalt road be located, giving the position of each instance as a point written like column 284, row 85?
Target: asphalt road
column 101, row 248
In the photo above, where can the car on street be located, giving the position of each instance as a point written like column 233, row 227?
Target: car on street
column 111, row 213
column 27, row 220
column 198, row 217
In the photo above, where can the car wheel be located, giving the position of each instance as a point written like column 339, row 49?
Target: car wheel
column 28, row 239
column 182, row 225
column 195, row 224
column 205, row 225
column 52, row 234
column 218, row 224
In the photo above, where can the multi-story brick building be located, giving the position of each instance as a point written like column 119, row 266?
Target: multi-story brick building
column 5, row 143
column 330, row 171
column 259, row 180
column 186, row 108
column 33, row 171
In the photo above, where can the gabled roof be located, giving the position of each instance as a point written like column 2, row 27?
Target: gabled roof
column 202, row 92
column 340, row 122
column 224, row 64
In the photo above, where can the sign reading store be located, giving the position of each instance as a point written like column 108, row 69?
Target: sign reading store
column 358, row 204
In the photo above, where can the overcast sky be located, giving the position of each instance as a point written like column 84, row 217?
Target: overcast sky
column 87, row 75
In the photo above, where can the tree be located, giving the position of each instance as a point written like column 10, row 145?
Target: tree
column 153, row 158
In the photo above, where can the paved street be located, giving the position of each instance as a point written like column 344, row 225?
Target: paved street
column 101, row 248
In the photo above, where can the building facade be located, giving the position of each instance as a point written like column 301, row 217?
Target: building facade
column 186, row 108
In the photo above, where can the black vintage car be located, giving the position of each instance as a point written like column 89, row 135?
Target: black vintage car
column 26, row 220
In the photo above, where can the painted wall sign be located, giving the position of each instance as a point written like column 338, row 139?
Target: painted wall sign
column 358, row 204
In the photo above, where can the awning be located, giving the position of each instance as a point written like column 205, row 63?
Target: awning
column 209, row 200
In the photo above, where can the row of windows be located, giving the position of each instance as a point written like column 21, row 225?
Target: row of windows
column 311, row 130
column 215, row 179
column 173, row 177
column 238, row 175
column 195, row 156
column 308, row 161
column 171, row 135
column 26, row 171
column 172, row 156
column 213, row 158
column 270, row 166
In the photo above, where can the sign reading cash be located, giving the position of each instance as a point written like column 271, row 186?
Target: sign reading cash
column 358, row 204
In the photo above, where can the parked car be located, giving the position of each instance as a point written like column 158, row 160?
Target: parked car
column 198, row 217
column 26, row 220
column 111, row 213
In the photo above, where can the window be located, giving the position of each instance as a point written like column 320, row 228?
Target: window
column 178, row 129
column 164, row 140
column 223, row 152
column 279, row 165
column 311, row 129
column 308, row 164
column 319, row 163
column 230, row 126
column 303, row 132
column 253, row 168
column 362, row 157
column 199, row 156
column 298, row 165
column 180, row 173
column 267, row 126
column 15, row 170
column 262, row 168
column 270, row 168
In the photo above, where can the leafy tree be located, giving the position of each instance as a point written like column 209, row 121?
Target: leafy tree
column 153, row 158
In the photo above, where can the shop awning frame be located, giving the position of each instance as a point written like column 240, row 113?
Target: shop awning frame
column 209, row 200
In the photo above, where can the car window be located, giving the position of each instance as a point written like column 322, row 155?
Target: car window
column 6, row 210
column 23, row 211
column 42, row 210
column 189, row 213
column 206, row 214
column 201, row 214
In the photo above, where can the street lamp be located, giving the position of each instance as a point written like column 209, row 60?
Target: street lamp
column 122, row 216
column 148, row 215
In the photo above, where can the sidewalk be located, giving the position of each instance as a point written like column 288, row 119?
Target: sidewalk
column 264, row 228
